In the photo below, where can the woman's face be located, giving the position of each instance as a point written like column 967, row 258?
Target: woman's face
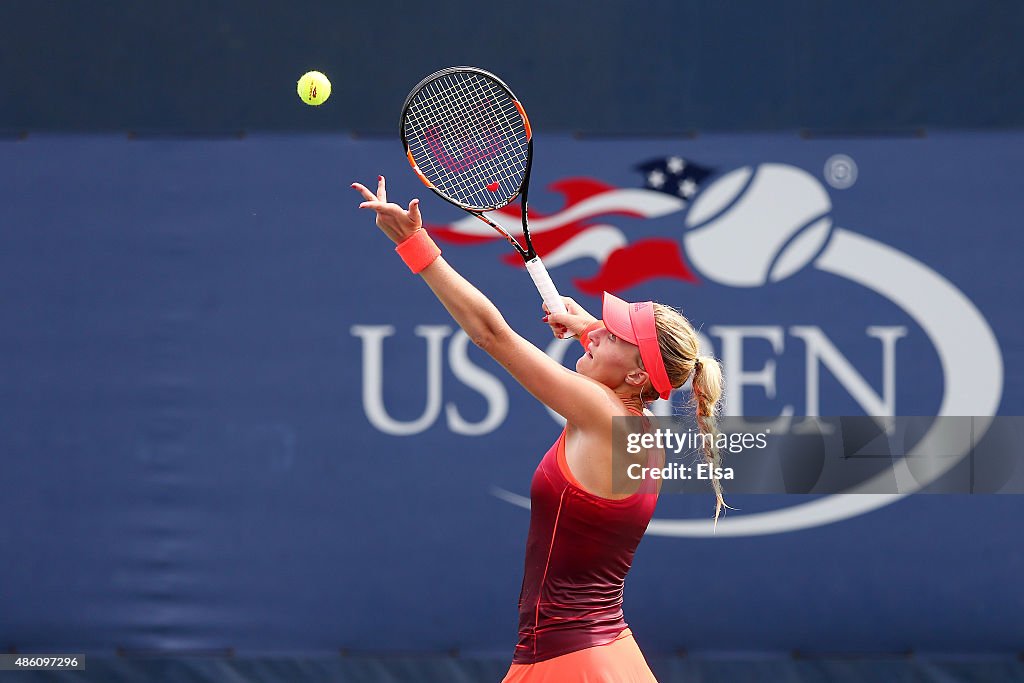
column 609, row 359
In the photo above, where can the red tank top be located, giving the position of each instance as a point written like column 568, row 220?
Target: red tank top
column 578, row 552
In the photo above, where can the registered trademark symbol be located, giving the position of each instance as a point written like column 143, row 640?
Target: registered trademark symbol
column 840, row 171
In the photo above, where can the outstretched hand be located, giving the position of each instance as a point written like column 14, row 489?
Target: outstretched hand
column 397, row 223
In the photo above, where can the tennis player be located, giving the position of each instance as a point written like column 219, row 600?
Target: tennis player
column 585, row 524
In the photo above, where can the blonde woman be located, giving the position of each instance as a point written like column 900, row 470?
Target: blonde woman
column 585, row 522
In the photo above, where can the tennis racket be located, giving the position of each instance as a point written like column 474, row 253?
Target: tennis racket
column 468, row 139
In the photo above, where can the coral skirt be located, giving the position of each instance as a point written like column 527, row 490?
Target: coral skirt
column 620, row 661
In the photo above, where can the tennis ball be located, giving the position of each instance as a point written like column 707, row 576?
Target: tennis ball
column 314, row 88
column 755, row 225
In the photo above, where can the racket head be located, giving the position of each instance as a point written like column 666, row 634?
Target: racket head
column 467, row 137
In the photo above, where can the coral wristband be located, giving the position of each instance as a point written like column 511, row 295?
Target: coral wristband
column 418, row 250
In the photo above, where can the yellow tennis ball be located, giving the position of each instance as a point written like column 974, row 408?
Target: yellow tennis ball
column 314, row 88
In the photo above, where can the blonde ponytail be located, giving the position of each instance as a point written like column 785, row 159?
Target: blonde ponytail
column 706, row 396
column 679, row 350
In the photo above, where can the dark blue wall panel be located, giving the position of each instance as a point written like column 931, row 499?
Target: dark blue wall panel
column 666, row 66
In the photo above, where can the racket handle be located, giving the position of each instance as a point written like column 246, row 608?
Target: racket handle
column 544, row 285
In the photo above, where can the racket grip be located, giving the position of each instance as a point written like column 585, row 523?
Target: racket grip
column 544, row 285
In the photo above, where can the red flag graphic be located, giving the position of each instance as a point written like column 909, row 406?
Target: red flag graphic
column 635, row 263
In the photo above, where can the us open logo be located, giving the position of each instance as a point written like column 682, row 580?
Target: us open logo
column 744, row 229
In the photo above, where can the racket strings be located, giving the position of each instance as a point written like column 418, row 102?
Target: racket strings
column 475, row 130
column 510, row 120
column 468, row 139
column 469, row 111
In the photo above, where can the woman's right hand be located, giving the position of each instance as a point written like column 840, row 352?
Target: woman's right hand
column 571, row 323
column 397, row 223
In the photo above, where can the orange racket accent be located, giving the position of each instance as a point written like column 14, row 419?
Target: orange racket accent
column 526, row 121
column 415, row 167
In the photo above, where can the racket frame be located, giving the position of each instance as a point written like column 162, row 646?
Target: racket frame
column 521, row 192
column 534, row 265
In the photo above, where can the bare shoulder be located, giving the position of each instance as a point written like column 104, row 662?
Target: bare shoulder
column 596, row 454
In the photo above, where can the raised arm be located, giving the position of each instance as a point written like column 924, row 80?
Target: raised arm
column 580, row 400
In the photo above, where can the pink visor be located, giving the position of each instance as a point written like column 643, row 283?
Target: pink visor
column 635, row 324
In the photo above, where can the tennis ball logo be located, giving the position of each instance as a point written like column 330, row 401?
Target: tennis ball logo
column 754, row 226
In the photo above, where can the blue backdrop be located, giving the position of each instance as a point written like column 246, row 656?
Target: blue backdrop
column 219, row 427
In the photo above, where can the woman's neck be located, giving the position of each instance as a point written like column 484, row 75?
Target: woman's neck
column 631, row 401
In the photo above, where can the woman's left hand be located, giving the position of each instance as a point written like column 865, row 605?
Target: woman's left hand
column 574, row 321
column 396, row 222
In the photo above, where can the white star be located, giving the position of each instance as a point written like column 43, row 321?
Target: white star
column 675, row 165
column 687, row 188
column 656, row 178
